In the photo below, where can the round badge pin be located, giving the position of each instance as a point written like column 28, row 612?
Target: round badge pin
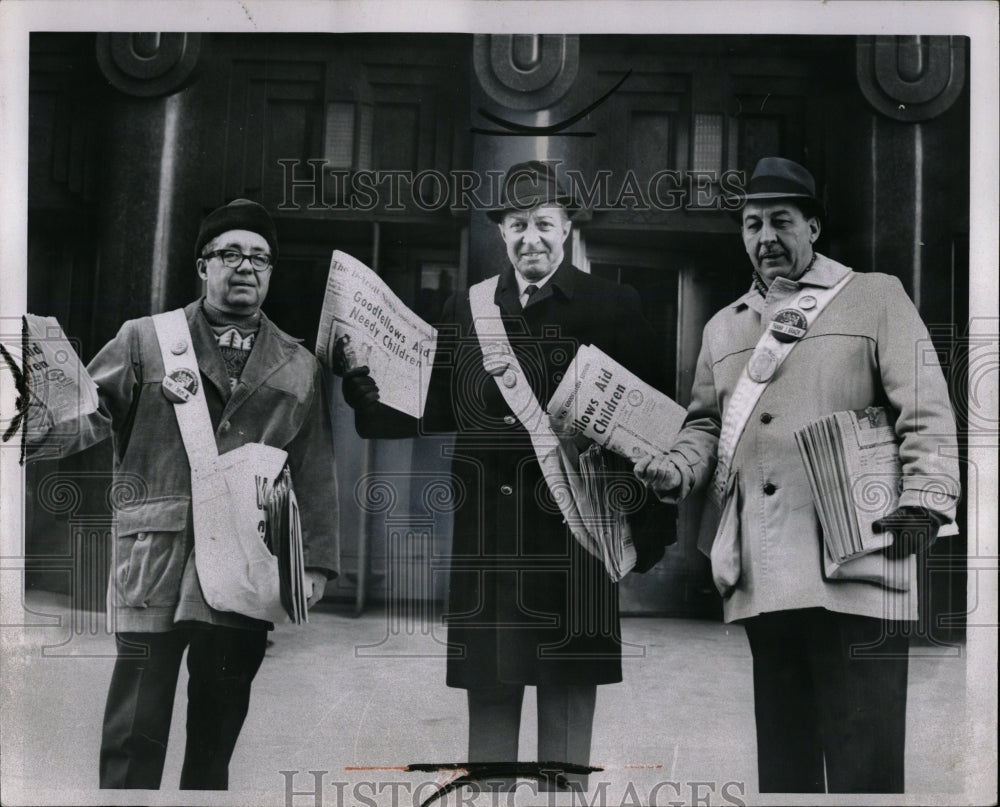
column 180, row 386
column 495, row 359
column 788, row 325
column 179, row 348
column 509, row 379
column 807, row 302
column 762, row 365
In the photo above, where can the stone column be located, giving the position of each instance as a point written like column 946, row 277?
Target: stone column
column 525, row 80
column 143, row 241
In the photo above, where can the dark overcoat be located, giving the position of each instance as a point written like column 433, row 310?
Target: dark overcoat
column 526, row 603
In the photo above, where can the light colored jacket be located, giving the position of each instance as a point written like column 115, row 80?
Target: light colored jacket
column 869, row 347
column 279, row 401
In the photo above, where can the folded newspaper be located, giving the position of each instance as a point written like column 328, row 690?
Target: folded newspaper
column 283, row 536
column 622, row 415
column 852, row 463
column 612, row 406
column 375, row 328
column 55, row 376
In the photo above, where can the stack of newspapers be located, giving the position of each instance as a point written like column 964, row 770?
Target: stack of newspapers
column 283, row 536
column 852, row 463
column 600, row 493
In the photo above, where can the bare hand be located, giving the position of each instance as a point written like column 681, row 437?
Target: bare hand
column 658, row 473
column 315, row 586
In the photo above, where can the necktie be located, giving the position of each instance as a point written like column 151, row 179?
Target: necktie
column 529, row 290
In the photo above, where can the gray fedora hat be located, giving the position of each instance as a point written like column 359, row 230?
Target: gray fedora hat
column 779, row 178
column 528, row 185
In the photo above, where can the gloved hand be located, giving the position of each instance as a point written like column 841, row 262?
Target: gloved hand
column 360, row 389
column 913, row 529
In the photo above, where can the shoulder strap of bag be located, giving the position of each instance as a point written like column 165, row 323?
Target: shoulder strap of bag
column 502, row 363
column 180, row 365
column 747, row 391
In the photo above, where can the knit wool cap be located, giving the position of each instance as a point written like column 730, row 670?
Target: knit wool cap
column 240, row 214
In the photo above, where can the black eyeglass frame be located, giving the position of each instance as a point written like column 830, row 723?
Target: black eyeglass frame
column 254, row 259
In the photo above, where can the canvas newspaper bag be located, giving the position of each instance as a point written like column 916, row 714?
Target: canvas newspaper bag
column 552, row 453
column 229, row 492
column 719, row 536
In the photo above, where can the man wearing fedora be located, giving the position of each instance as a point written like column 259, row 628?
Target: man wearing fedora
column 810, row 338
column 260, row 386
column 528, row 606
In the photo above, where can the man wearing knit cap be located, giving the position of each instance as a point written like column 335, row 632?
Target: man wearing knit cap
column 829, row 640
column 260, row 386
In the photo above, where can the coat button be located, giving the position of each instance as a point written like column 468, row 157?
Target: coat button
column 506, row 490
column 510, row 420
column 766, row 417
column 769, row 489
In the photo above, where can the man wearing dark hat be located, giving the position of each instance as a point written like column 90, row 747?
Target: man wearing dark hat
column 260, row 386
column 811, row 338
column 527, row 605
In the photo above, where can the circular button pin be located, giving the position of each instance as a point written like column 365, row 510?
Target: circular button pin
column 510, row 420
column 509, row 379
column 807, row 302
column 788, row 325
column 506, row 490
column 179, row 348
column 180, row 386
column 496, row 358
column 762, row 365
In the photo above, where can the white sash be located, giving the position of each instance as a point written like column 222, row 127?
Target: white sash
column 747, row 391
column 501, row 362
column 719, row 537
column 228, row 493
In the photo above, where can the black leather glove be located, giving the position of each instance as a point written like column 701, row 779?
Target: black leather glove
column 913, row 528
column 360, row 389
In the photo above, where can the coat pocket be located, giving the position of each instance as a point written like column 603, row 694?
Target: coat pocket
column 151, row 548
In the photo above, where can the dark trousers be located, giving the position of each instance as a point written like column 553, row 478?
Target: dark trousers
column 222, row 663
column 828, row 688
column 565, row 723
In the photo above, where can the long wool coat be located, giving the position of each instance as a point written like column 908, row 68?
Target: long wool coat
column 868, row 347
column 526, row 603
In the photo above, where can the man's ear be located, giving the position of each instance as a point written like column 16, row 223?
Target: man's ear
column 567, row 226
column 202, row 266
column 815, row 227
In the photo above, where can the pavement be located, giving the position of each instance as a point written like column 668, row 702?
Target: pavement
column 342, row 704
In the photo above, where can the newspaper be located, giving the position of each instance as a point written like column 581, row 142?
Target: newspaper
column 852, row 463
column 55, row 376
column 602, row 400
column 283, row 536
column 376, row 329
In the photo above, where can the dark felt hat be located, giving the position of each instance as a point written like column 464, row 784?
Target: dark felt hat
column 240, row 214
column 528, row 185
column 778, row 178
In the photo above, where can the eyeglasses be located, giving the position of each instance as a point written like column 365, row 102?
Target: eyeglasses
column 233, row 258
